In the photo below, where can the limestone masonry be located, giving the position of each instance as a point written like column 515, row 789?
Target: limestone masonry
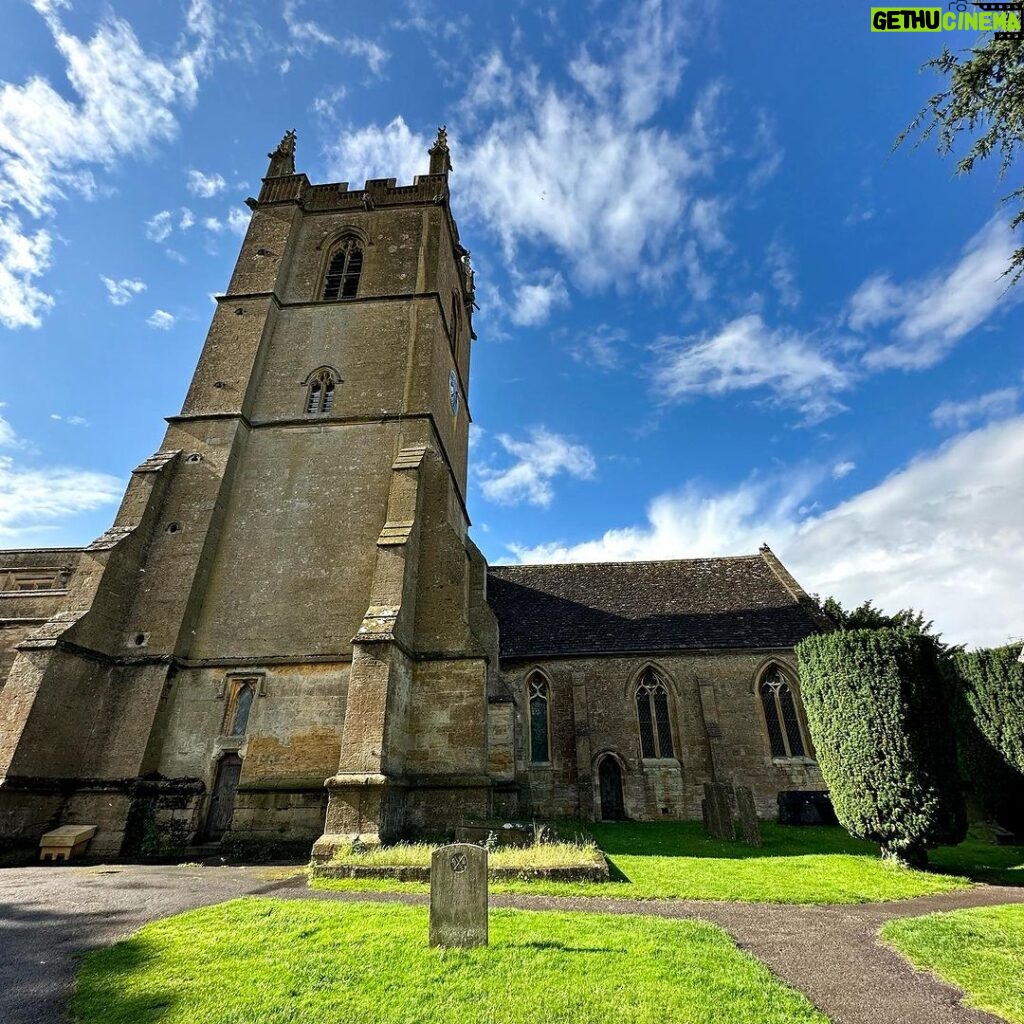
column 289, row 595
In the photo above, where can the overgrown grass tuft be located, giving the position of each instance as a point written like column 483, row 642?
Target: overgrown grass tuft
column 980, row 950
column 536, row 857
column 677, row 860
column 259, row 961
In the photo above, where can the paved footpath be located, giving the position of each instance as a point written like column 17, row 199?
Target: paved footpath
column 49, row 914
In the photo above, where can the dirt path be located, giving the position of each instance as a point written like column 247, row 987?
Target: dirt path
column 48, row 915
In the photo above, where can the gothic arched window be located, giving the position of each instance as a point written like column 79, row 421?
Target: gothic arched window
column 342, row 280
column 456, row 326
column 239, row 706
column 539, row 701
column 320, row 392
column 786, row 733
column 653, row 717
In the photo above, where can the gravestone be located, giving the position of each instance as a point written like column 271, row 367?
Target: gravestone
column 458, row 896
column 718, row 811
column 750, row 827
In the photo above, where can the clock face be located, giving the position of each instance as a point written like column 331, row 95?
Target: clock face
column 453, row 392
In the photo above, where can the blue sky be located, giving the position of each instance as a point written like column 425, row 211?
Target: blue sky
column 715, row 309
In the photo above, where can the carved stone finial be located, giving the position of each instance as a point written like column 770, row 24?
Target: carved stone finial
column 282, row 160
column 440, row 159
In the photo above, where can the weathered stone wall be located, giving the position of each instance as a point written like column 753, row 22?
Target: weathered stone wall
column 593, row 714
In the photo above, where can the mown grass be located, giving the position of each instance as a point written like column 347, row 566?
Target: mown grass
column 260, row 961
column 677, row 860
column 980, row 950
column 981, row 862
column 536, row 856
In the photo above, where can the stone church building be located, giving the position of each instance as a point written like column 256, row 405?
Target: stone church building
column 288, row 593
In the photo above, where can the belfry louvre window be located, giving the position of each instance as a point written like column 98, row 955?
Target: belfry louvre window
column 320, row 396
column 342, row 280
column 781, row 716
column 540, row 739
column 653, row 717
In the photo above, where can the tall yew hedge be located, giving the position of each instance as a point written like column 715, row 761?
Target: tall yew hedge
column 875, row 705
column 987, row 700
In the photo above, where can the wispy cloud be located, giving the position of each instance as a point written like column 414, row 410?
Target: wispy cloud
column 992, row 406
column 161, row 320
column 538, row 461
column 205, row 186
column 843, row 469
column 747, row 355
column 159, row 226
column 943, row 534
column 926, row 318
column 780, row 262
column 120, row 293
column 306, row 35
column 535, row 302
column 122, row 103
column 599, row 347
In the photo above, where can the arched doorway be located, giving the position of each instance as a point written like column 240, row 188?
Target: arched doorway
column 609, row 776
column 222, row 801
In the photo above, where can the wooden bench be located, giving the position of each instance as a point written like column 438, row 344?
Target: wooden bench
column 65, row 842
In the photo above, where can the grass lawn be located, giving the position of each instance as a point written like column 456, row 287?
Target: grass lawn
column 980, row 950
column 261, row 961
column 981, row 862
column 676, row 860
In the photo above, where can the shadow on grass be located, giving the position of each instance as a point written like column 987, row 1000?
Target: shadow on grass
column 981, row 862
column 104, row 991
column 688, row 839
column 561, row 947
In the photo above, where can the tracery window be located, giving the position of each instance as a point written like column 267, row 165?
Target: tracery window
column 653, row 716
column 342, row 280
column 320, row 395
column 782, row 719
column 539, row 702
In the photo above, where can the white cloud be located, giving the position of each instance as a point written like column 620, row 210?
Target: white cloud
column 73, row 421
column 943, row 534
column 8, row 438
column 927, row 317
column 122, row 292
column 159, row 226
column 992, row 406
column 706, row 220
column 744, row 355
column 188, row 218
column 535, row 302
column 766, row 152
column 599, row 347
column 238, row 220
column 161, row 320
column 23, row 258
column 780, row 262
column 540, row 459
column 205, row 186
column 388, row 151
column 32, row 499
column 305, row 35
column 212, row 224
column 842, row 469
column 121, row 103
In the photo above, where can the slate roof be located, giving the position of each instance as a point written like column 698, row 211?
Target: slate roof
column 749, row 601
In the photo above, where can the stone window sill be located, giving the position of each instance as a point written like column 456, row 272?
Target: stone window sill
column 808, row 762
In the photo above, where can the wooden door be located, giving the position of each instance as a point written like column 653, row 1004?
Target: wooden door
column 222, row 802
column 610, row 778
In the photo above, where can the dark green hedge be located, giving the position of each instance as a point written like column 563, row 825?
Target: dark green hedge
column 993, row 685
column 987, row 700
column 874, row 702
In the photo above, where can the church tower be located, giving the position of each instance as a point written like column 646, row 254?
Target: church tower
column 288, row 593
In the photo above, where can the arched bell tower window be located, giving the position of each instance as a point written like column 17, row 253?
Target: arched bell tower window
column 320, row 391
column 539, row 696
column 786, row 732
column 653, row 716
column 342, row 279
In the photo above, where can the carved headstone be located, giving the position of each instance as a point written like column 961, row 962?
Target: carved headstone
column 718, row 811
column 458, row 896
column 750, row 827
